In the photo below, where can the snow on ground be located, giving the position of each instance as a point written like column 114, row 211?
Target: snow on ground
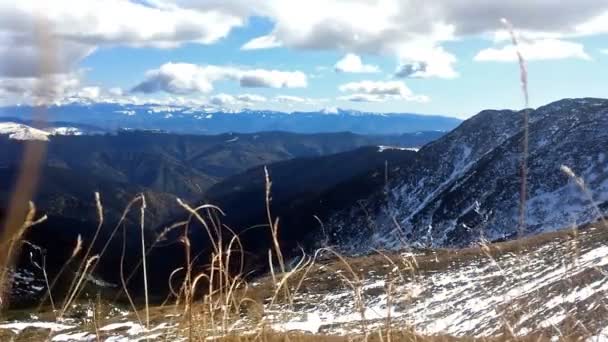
column 544, row 285
column 18, row 327
column 382, row 148
column 64, row 131
column 544, row 288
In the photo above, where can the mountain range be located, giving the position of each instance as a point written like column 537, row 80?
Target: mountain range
column 171, row 164
column 164, row 167
column 358, row 193
column 208, row 120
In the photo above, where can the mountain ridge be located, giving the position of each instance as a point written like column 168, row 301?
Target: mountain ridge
column 464, row 186
column 209, row 120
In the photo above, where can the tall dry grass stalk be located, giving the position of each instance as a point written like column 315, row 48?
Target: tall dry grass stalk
column 143, row 258
column 33, row 156
column 580, row 183
column 122, row 278
column 12, row 248
column 84, row 261
column 274, row 224
column 75, row 252
column 523, row 75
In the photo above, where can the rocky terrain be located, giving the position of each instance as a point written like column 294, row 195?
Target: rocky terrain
column 465, row 186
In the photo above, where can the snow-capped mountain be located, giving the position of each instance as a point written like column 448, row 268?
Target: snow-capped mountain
column 21, row 131
column 209, row 120
column 465, row 186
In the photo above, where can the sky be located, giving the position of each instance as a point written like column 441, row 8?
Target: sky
column 448, row 57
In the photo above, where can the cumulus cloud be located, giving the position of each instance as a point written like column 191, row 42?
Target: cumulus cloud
column 251, row 98
column 182, row 78
column 411, row 69
column 428, row 59
column 260, row 78
column 116, row 91
column 222, row 100
column 338, row 23
column 185, row 78
column 152, row 23
column 264, row 42
column 227, row 100
column 535, row 50
column 379, row 91
column 415, row 31
column 21, row 57
column 291, row 100
column 50, row 89
column 362, row 98
column 353, row 63
column 57, row 35
column 377, row 88
column 89, row 92
column 72, row 30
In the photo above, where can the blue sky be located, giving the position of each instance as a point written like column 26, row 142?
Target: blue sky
column 293, row 55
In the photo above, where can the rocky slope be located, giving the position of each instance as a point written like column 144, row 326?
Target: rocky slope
column 301, row 190
column 465, row 186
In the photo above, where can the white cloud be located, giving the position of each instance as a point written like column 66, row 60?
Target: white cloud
column 362, row 98
column 227, row 100
column 71, row 30
column 223, row 100
column 377, row 88
column 260, row 78
column 153, row 23
column 411, row 69
column 414, row 31
column 379, row 91
column 185, row 78
column 264, row 42
column 353, row 63
column 21, row 56
column 542, row 49
column 360, row 27
column 91, row 93
column 180, row 78
column 426, row 60
column 116, row 91
column 251, row 98
column 291, row 100
column 56, row 88
column 597, row 25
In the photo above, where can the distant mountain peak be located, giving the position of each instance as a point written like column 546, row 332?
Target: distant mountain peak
column 330, row 110
column 186, row 118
